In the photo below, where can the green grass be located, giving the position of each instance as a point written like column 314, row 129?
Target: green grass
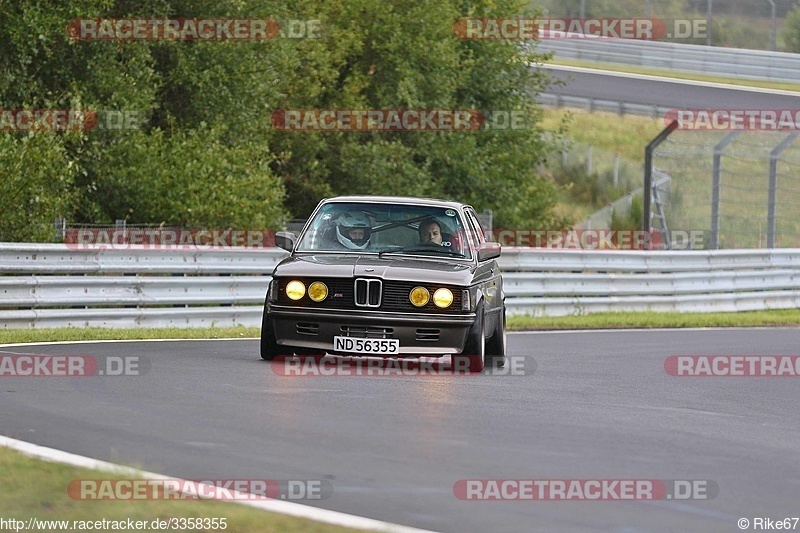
column 687, row 156
column 633, row 69
column 608, row 133
column 627, row 135
column 33, row 488
column 788, row 317
column 11, row 336
column 516, row 323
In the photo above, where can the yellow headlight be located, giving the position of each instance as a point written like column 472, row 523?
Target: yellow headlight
column 443, row 297
column 419, row 296
column 295, row 290
column 317, row 291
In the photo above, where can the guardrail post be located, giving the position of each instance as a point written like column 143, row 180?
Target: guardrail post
column 773, row 186
column 648, row 173
column 773, row 34
column 715, row 181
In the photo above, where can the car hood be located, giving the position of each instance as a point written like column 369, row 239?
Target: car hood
column 392, row 267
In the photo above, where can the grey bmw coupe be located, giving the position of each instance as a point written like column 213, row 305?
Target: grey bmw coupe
column 380, row 276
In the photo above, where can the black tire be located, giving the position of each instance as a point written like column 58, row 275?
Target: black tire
column 474, row 356
column 269, row 344
column 496, row 347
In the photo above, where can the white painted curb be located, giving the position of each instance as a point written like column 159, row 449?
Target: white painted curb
column 275, row 506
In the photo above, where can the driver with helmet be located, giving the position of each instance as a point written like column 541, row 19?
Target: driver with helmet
column 353, row 230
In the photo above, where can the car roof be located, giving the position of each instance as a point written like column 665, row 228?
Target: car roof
column 397, row 200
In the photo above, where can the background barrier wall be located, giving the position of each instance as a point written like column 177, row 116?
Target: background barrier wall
column 51, row 285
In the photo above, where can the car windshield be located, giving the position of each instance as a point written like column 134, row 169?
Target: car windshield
column 387, row 229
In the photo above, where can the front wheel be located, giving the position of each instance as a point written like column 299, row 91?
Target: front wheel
column 269, row 344
column 496, row 347
column 473, row 358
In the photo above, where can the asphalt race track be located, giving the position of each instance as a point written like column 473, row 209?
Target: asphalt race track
column 618, row 87
column 599, row 405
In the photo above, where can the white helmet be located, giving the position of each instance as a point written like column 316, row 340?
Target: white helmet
column 353, row 220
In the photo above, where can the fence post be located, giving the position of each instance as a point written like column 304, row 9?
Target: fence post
column 715, row 181
column 61, row 228
column 648, row 173
column 773, row 34
column 616, row 169
column 773, row 186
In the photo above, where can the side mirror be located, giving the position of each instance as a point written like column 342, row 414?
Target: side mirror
column 488, row 250
column 285, row 240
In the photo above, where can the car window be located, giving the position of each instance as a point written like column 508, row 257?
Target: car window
column 475, row 226
column 362, row 227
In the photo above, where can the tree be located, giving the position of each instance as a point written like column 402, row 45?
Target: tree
column 404, row 55
column 206, row 153
column 791, row 31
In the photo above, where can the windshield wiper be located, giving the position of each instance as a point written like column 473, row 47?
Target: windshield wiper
column 435, row 249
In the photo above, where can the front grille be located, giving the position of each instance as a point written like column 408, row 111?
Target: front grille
column 367, row 332
column 307, row 328
column 395, row 297
column 342, row 294
column 368, row 292
column 430, row 335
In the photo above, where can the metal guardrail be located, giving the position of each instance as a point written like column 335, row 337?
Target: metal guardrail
column 51, row 285
column 56, row 285
column 728, row 62
column 570, row 282
column 646, row 262
column 597, row 104
column 136, row 259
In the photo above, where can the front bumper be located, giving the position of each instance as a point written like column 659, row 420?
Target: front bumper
column 418, row 333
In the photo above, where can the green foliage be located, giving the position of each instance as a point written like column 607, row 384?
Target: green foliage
column 613, row 8
column 587, row 189
column 206, row 154
column 36, row 173
column 631, row 220
column 189, row 178
column 791, row 31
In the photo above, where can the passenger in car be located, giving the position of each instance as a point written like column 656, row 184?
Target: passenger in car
column 430, row 231
column 353, row 231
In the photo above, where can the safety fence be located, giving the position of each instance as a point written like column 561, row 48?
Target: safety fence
column 52, row 285
column 735, row 63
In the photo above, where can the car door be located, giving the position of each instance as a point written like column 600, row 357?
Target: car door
column 490, row 283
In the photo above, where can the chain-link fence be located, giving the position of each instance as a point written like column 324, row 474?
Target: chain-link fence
column 754, row 24
column 741, row 189
column 609, row 181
